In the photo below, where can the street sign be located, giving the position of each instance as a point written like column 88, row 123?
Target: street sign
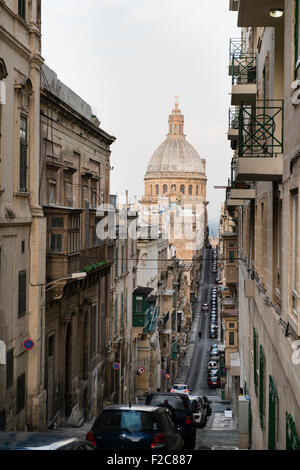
column 141, row 370
column 116, row 365
column 28, row 344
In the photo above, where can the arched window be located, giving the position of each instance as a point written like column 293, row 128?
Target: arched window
column 179, row 129
column 157, row 189
column 175, row 132
column 197, row 189
column 190, row 189
column 151, row 189
column 182, row 188
column 173, row 187
column 165, row 188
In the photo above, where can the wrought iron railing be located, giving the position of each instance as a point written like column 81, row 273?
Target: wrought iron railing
column 233, row 118
column 261, row 129
column 237, row 47
column 243, row 69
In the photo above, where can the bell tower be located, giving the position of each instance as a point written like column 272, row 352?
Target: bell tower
column 176, row 121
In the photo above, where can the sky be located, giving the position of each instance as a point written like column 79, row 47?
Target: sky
column 129, row 59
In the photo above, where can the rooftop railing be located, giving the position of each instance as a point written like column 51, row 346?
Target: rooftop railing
column 237, row 47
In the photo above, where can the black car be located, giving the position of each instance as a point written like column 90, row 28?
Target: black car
column 136, row 428
column 183, row 413
column 213, row 333
column 41, row 441
column 206, row 403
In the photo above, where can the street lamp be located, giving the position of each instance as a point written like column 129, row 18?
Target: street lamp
column 276, row 12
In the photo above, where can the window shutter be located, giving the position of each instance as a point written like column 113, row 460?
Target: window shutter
column 22, row 294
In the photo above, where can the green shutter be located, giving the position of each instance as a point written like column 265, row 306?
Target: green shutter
column 255, row 359
column 261, row 386
column 272, row 415
column 22, row 294
column 292, row 440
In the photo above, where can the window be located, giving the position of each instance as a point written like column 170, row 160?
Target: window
column 22, row 9
column 182, row 188
column 231, row 256
column 165, row 188
column 68, row 187
column 9, row 368
column 57, row 222
column 139, row 305
column 94, row 198
column 22, row 294
column 190, row 189
column 74, row 234
column 231, row 325
column 23, row 154
column 22, row 246
column 156, row 189
column 20, row 392
column 52, row 192
column 56, row 243
column 197, row 189
column 231, row 338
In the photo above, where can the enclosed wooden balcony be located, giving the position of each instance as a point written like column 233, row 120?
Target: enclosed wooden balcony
column 243, row 193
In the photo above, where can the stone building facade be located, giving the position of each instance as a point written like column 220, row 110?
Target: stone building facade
column 22, row 224
column 75, row 176
column 263, row 198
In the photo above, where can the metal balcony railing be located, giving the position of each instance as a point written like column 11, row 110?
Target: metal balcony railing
column 237, row 47
column 233, row 118
column 244, row 69
column 261, row 129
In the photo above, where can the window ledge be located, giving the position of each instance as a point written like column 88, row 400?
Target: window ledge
column 22, row 194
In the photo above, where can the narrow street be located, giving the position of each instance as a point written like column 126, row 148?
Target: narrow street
column 218, row 431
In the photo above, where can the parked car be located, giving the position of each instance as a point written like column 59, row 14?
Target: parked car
column 199, row 411
column 213, row 372
column 181, row 388
column 213, row 333
column 212, row 365
column 41, row 441
column 205, row 307
column 135, row 427
column 183, row 411
column 213, row 381
column 207, row 403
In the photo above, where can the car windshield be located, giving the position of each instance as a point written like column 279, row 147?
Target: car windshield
column 130, row 420
column 176, row 402
column 180, row 387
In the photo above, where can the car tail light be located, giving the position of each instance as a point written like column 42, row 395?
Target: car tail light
column 90, row 437
column 158, row 441
column 188, row 420
column 186, row 391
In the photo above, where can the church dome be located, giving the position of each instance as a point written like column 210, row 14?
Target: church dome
column 175, row 155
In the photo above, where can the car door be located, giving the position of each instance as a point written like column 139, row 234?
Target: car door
column 175, row 441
